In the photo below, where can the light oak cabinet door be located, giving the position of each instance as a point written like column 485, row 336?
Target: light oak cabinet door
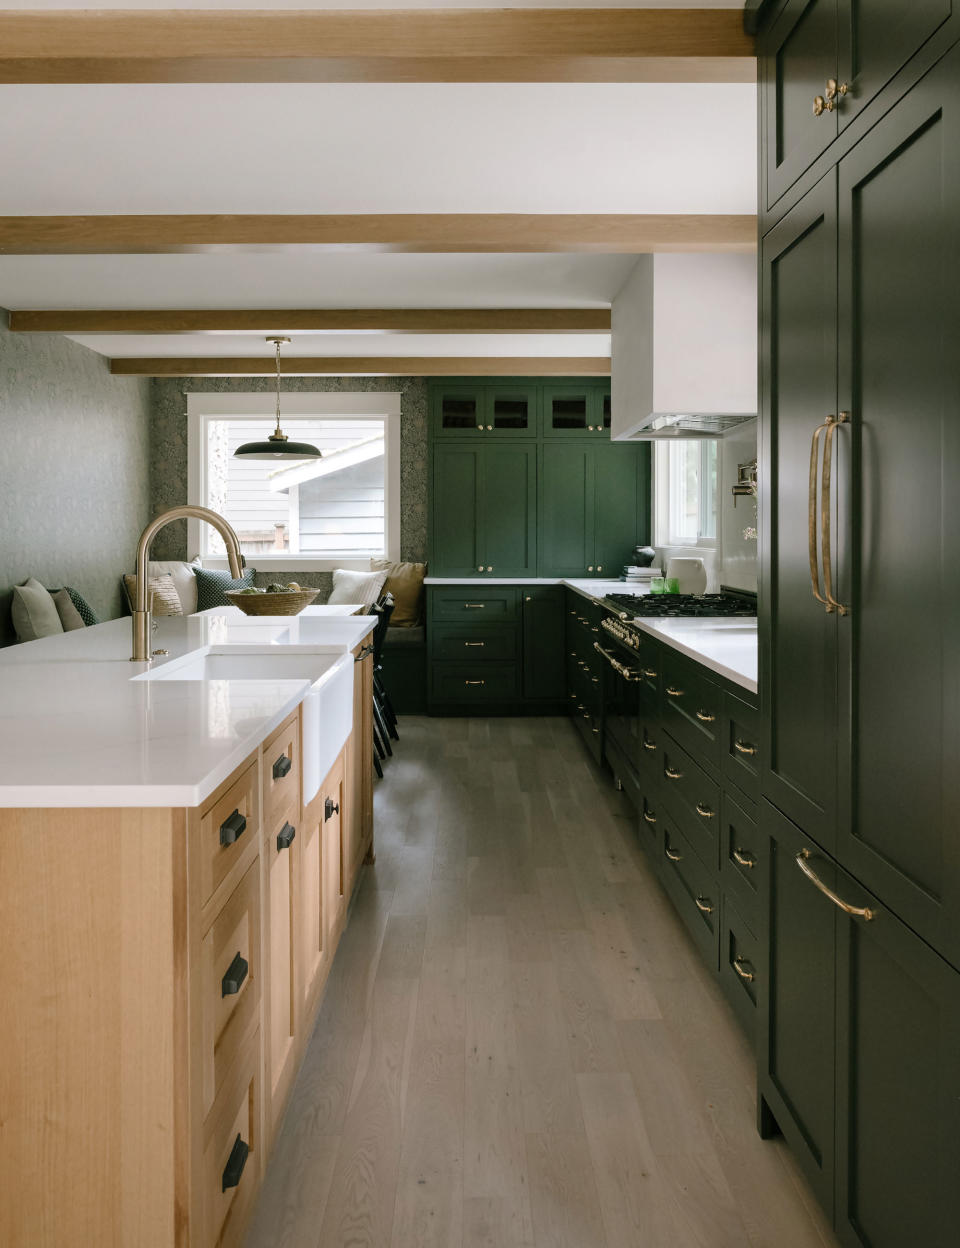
column 358, row 794
column 321, row 905
column 282, row 853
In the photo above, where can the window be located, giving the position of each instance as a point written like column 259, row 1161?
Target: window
column 685, row 486
column 336, row 511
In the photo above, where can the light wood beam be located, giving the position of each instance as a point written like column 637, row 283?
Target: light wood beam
column 393, row 232
column 365, row 366
column 317, row 320
column 440, row 45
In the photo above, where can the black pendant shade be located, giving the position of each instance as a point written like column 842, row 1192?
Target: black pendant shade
column 278, row 445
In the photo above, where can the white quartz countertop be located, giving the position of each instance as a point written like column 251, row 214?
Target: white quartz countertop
column 76, row 728
column 726, row 645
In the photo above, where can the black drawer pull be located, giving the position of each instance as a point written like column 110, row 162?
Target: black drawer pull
column 330, row 808
column 281, row 767
column 285, row 836
column 232, row 982
column 233, row 1170
column 232, row 828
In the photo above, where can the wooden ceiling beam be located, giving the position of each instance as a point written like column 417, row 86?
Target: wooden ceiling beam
column 413, row 45
column 317, row 320
column 365, row 366
column 391, row 232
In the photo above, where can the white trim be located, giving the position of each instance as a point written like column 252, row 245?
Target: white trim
column 255, row 406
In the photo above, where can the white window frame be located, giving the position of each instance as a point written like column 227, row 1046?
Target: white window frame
column 661, row 497
column 344, row 405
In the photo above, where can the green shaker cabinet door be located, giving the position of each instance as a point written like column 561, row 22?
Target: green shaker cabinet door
column 622, row 503
column 566, row 508
column 455, row 545
column 508, row 509
column 544, row 649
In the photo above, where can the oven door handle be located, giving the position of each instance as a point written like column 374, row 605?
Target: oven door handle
column 628, row 673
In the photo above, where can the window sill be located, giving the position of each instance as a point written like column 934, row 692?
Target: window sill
column 292, row 563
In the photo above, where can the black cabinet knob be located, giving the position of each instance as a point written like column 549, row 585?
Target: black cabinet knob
column 233, row 1170
column 285, row 836
column 232, row 828
column 281, row 767
column 329, row 809
column 232, row 982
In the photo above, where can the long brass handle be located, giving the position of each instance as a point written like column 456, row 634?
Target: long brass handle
column 704, row 811
column 860, row 912
column 672, row 774
column 705, row 717
column 674, row 693
column 743, row 858
column 649, row 818
column 672, row 855
column 628, row 673
column 738, row 967
column 826, row 503
column 703, row 906
column 742, row 748
column 812, row 513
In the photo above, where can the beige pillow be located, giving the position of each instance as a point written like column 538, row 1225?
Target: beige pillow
column 405, row 582
column 34, row 612
column 70, row 617
column 362, row 587
column 164, row 599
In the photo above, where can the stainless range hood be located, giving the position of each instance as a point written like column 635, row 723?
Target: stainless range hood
column 685, row 347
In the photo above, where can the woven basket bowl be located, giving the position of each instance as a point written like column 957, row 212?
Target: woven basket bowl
column 291, row 603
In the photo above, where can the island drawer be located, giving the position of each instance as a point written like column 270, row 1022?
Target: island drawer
column 229, row 983
column 229, row 827
column 469, row 605
column 230, row 1169
column 497, row 643
column 280, row 769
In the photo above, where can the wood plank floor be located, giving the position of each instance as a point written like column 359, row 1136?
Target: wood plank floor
column 519, row 1046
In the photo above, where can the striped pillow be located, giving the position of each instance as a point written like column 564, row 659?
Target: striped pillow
column 164, row 599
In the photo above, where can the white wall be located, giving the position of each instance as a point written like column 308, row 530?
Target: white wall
column 738, row 555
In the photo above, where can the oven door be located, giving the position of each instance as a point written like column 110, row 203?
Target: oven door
column 621, row 704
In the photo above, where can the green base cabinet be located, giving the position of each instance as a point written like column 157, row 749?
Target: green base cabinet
column 544, row 663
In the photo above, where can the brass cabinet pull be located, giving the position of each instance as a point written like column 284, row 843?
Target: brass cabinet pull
column 812, row 514
column 743, row 748
column 738, row 967
column 480, row 569
column 703, row 906
column 628, row 673
column 474, row 643
column 475, row 606
column 705, row 717
column 672, row 774
column 744, row 858
column 674, row 693
column 704, row 811
column 649, row 745
column 826, row 502
column 819, row 104
column 672, row 854
column 649, row 673
column 860, row 912
column 649, row 818
column 474, row 682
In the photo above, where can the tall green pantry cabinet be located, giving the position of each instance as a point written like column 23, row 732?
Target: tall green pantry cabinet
column 859, row 1045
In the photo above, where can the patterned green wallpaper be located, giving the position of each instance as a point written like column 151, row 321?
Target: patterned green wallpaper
column 74, row 489
column 168, row 452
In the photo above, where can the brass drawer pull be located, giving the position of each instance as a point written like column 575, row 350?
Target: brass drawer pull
column 474, row 643
column 860, row 912
column 649, row 818
column 474, row 606
column 812, row 504
column 704, row 811
column 705, row 717
column 745, row 859
column 674, row 693
column 649, row 745
column 703, row 906
column 825, row 509
column 672, row 854
column 738, row 967
column 743, row 748
column 649, row 673
column 474, row 682
column 672, row 774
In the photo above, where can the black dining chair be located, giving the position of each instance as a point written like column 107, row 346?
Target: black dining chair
column 382, row 725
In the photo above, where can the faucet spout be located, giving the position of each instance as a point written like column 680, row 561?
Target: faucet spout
column 141, row 611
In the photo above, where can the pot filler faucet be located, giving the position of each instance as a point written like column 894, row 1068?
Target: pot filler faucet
column 141, row 613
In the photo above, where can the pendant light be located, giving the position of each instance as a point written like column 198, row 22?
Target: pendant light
column 278, row 445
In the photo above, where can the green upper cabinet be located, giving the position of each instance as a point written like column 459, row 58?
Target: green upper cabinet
column 621, row 502
column 507, row 409
column 483, row 510
column 576, row 409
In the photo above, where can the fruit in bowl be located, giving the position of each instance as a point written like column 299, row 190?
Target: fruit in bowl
column 276, row 599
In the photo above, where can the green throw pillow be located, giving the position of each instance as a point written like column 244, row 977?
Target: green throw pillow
column 211, row 586
column 85, row 611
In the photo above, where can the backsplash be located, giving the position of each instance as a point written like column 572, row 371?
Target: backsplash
column 168, row 453
column 73, row 470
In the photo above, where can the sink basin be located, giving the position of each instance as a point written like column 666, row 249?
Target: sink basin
column 327, row 717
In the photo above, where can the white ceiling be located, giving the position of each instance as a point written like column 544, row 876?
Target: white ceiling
column 378, row 148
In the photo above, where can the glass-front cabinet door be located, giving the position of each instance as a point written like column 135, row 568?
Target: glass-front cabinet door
column 458, row 411
column 573, row 410
column 511, row 411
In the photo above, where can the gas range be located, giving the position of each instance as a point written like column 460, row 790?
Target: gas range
column 631, row 608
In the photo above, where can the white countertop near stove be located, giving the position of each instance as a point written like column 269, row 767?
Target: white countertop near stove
column 77, row 730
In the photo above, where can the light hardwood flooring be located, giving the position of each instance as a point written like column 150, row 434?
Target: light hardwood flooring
column 519, row 1046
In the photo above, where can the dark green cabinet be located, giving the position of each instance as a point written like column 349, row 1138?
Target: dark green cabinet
column 483, row 509
column 621, row 503
column 573, row 410
column 544, row 642
column 502, row 409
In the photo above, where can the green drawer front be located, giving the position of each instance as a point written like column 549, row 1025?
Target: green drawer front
column 694, row 891
column 474, row 643
column 474, row 605
column 694, row 800
column 692, row 710
column 741, row 860
column 741, row 754
column 478, row 683
column 739, row 967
